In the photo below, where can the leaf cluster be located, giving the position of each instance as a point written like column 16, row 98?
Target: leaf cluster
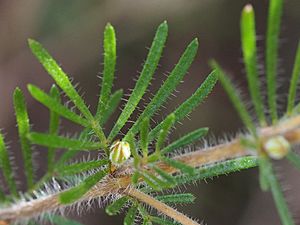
column 268, row 179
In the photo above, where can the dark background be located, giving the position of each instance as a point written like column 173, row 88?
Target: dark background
column 72, row 32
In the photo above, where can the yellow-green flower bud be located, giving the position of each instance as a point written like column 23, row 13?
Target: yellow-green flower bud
column 277, row 147
column 119, row 152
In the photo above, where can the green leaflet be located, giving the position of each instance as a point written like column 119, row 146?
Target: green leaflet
column 77, row 192
column 157, row 181
column 115, row 207
column 130, row 216
column 114, row 101
column 280, row 202
column 146, row 221
column 133, row 148
column 54, row 141
column 23, row 129
column 144, row 131
column 80, row 167
column 109, row 46
column 191, row 103
column 135, row 177
column 144, row 79
column 151, row 182
column 215, row 170
column 272, row 36
column 163, row 221
column 55, row 106
column 235, row 98
column 179, row 165
column 53, row 127
column 248, row 38
column 294, row 82
column 64, row 83
column 177, row 198
column 185, row 140
column 264, row 163
column 6, row 167
column 163, row 133
column 59, row 76
column 170, row 84
column 167, row 177
column 294, row 158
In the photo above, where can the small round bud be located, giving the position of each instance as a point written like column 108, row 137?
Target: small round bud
column 119, row 152
column 277, row 147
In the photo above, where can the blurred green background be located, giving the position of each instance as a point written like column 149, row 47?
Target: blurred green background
column 72, row 32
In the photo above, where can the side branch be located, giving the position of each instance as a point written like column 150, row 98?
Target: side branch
column 161, row 207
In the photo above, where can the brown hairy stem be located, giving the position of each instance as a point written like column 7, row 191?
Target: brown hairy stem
column 161, row 207
column 110, row 185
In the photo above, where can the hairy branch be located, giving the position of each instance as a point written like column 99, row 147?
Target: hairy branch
column 201, row 157
column 161, row 207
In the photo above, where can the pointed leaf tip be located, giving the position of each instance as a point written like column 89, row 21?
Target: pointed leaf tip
column 248, row 8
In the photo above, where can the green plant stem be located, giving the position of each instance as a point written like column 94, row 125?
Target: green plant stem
column 272, row 36
column 278, row 196
column 294, row 82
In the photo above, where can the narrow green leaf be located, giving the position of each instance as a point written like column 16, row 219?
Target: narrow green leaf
column 23, row 129
column 64, row 83
column 6, row 167
column 114, row 101
column 109, row 46
column 191, row 103
column 169, row 178
column 146, row 221
column 80, row 167
column 248, row 35
column 272, row 36
column 54, row 141
column 157, row 180
column 142, row 211
column 179, row 165
column 170, row 84
column 165, row 128
column 278, row 196
column 294, row 82
column 115, row 207
column 185, row 140
column 77, row 192
column 144, row 79
column 152, row 183
column 55, row 106
column 59, row 76
column 163, row 221
column 53, row 127
column 218, row 169
column 130, row 216
column 135, row 177
column 144, row 131
column 133, row 148
column 235, row 98
column 177, row 198
column 294, row 158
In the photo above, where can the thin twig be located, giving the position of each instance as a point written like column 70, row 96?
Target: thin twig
column 160, row 207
